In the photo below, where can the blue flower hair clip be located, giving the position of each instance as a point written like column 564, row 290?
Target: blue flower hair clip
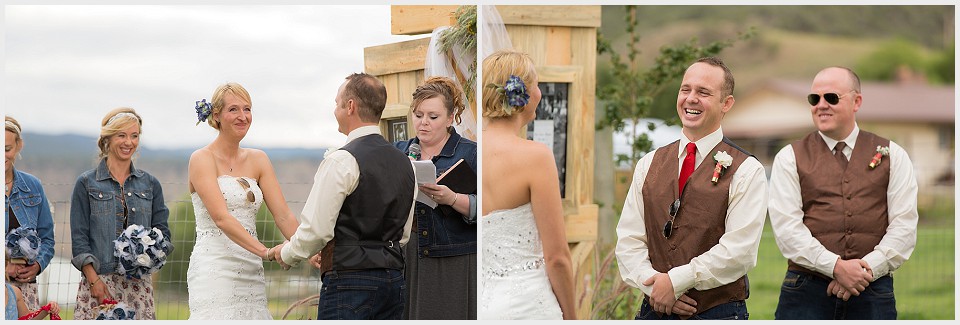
column 204, row 110
column 514, row 93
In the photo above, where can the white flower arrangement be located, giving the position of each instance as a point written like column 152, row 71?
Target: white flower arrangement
column 141, row 252
column 723, row 160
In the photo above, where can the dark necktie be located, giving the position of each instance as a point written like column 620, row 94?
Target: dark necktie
column 839, row 154
column 687, row 169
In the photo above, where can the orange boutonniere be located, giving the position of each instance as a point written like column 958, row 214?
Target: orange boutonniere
column 878, row 157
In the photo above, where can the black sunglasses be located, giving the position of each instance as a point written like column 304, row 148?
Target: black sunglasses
column 831, row 98
column 668, row 227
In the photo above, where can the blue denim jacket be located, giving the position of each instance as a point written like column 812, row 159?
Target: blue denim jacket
column 447, row 235
column 30, row 206
column 97, row 218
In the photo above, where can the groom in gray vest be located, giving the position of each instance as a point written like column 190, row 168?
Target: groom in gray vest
column 358, row 213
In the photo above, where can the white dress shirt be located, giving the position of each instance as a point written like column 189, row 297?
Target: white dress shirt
column 336, row 178
column 730, row 259
column 798, row 244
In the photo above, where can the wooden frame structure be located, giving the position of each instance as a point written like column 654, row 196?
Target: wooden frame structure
column 562, row 41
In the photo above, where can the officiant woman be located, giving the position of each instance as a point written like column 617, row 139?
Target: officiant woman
column 106, row 200
column 441, row 257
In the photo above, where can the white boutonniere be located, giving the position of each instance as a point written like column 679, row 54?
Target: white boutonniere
column 723, row 161
column 329, row 151
column 881, row 151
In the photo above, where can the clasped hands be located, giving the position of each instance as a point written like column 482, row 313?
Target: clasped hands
column 850, row 278
column 662, row 297
column 273, row 254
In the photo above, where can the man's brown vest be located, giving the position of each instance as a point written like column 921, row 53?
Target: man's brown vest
column 699, row 223
column 846, row 210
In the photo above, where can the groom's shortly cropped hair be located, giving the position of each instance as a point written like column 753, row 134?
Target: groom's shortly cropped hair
column 369, row 93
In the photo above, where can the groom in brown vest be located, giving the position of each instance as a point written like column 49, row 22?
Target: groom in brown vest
column 691, row 222
column 843, row 206
column 358, row 213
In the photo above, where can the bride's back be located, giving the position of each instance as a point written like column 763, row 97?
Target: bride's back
column 510, row 167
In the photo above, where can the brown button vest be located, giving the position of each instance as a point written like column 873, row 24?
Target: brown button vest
column 846, row 210
column 699, row 223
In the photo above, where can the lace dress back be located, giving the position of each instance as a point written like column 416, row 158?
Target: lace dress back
column 514, row 282
column 225, row 281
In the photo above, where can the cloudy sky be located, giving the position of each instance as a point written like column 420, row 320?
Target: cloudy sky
column 67, row 66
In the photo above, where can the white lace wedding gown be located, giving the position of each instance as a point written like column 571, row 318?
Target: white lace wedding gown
column 513, row 282
column 225, row 281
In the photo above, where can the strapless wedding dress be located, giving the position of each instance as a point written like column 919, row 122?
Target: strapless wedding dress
column 513, row 282
column 225, row 281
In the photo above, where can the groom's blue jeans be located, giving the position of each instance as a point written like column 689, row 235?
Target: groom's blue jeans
column 362, row 294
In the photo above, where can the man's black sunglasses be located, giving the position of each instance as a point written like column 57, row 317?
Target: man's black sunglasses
column 831, row 98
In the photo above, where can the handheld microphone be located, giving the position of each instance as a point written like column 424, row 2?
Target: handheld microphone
column 414, row 151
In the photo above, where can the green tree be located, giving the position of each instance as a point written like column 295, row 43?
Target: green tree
column 882, row 64
column 942, row 68
column 632, row 90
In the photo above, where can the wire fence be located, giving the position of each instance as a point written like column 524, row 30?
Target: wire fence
column 287, row 291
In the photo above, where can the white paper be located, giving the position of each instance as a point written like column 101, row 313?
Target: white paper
column 426, row 173
column 543, row 132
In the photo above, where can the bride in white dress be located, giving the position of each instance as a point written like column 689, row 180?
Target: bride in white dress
column 526, row 268
column 225, row 277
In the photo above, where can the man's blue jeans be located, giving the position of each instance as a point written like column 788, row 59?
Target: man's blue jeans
column 730, row 310
column 804, row 296
column 362, row 294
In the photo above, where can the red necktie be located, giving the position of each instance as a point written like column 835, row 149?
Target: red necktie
column 688, row 161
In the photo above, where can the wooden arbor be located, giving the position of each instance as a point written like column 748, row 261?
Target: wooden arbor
column 401, row 65
column 562, row 41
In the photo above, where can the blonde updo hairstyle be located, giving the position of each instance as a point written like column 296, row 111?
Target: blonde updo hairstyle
column 445, row 89
column 497, row 68
column 217, row 100
column 116, row 120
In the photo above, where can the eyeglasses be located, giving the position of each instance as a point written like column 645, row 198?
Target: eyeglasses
column 831, row 98
column 668, row 227
column 246, row 186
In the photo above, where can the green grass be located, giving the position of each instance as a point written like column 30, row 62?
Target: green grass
column 924, row 285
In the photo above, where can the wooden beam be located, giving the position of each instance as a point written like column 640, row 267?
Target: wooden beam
column 414, row 20
column 582, row 226
column 396, row 57
column 571, row 16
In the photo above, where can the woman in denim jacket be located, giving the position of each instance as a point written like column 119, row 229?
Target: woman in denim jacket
column 26, row 206
column 106, row 200
column 441, row 257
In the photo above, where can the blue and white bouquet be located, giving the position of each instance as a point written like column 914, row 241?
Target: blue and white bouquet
column 112, row 310
column 23, row 245
column 141, row 251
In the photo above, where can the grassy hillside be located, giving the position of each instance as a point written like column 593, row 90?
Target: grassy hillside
column 791, row 41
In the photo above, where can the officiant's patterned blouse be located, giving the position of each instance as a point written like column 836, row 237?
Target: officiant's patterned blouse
column 444, row 238
column 106, row 200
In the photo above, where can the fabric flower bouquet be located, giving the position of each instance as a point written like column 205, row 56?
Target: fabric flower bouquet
column 141, row 251
column 23, row 245
column 112, row 310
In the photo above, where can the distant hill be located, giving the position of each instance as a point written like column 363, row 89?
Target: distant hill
column 58, row 159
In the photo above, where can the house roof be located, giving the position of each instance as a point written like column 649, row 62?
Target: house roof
column 779, row 107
